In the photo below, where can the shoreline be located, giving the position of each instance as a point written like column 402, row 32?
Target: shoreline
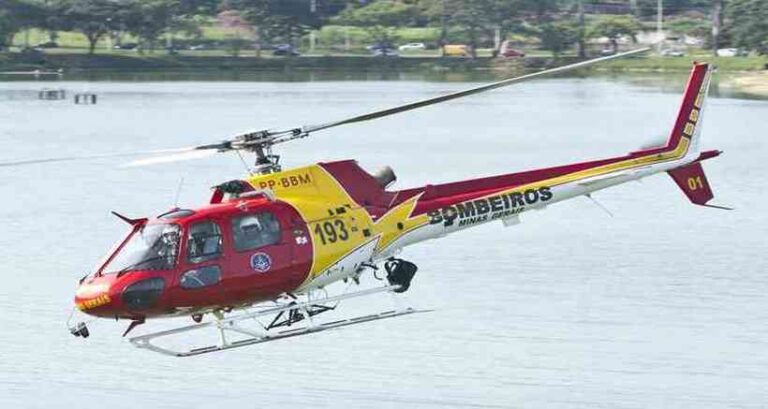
column 747, row 75
column 116, row 62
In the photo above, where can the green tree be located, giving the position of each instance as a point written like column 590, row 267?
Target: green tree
column 239, row 29
column 541, row 10
column 93, row 18
column 613, row 27
column 255, row 12
column 286, row 20
column 748, row 24
column 150, row 19
column 16, row 15
column 475, row 20
column 505, row 16
column 379, row 18
column 557, row 36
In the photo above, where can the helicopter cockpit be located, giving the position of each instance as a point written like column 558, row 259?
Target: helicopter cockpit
column 148, row 247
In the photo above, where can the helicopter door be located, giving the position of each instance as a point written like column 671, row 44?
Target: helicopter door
column 261, row 255
column 200, row 273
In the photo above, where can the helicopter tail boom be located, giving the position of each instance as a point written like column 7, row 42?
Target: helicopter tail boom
column 454, row 206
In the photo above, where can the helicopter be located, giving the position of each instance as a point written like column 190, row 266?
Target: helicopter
column 254, row 263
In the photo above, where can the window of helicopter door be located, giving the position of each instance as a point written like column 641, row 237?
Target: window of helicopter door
column 253, row 231
column 203, row 242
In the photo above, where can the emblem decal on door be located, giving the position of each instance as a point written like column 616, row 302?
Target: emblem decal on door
column 260, row 262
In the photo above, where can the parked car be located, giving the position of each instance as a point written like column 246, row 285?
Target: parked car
column 126, row 46
column 385, row 52
column 669, row 52
column 197, row 47
column 285, row 50
column 412, row 46
column 731, row 52
column 457, row 50
column 380, row 46
column 30, row 52
column 507, row 51
column 47, row 44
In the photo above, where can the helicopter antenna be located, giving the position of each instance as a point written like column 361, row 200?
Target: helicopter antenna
column 261, row 142
column 245, row 164
column 178, row 193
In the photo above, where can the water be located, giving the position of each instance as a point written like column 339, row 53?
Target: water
column 663, row 305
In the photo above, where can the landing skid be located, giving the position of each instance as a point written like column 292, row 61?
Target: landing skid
column 260, row 332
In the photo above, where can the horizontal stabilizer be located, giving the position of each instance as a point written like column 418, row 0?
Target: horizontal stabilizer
column 693, row 182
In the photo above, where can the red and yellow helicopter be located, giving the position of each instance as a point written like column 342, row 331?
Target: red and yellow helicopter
column 266, row 246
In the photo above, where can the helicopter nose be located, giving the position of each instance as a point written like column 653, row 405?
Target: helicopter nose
column 125, row 297
column 93, row 296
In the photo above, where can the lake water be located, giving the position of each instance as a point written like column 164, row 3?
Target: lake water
column 663, row 305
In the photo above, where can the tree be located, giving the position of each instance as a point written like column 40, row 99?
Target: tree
column 93, row 18
column 475, row 20
column 238, row 26
column 748, row 24
column 295, row 17
column 541, row 10
column 505, row 16
column 613, row 27
column 379, row 18
column 149, row 19
column 255, row 12
column 16, row 15
column 277, row 19
column 557, row 36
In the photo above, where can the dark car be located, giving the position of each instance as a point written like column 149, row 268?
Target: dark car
column 47, row 44
column 385, row 52
column 285, row 50
column 126, row 46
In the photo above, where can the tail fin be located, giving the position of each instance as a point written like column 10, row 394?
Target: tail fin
column 686, row 134
column 686, row 137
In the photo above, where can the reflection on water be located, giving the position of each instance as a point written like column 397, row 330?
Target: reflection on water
column 662, row 305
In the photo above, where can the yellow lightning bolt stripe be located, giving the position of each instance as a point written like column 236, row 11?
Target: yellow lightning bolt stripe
column 387, row 226
column 317, row 195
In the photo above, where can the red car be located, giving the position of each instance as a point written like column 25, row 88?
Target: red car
column 507, row 51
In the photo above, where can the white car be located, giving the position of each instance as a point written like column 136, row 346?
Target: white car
column 730, row 52
column 412, row 46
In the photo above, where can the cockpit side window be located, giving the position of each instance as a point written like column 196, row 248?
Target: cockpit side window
column 150, row 247
column 203, row 242
column 255, row 230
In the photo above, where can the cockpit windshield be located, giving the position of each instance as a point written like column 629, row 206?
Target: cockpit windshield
column 151, row 247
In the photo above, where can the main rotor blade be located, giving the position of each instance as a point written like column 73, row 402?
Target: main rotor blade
column 170, row 158
column 494, row 85
column 77, row 158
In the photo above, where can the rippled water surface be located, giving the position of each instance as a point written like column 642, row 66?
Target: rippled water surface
column 662, row 305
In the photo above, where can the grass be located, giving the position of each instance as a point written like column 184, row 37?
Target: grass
column 658, row 63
